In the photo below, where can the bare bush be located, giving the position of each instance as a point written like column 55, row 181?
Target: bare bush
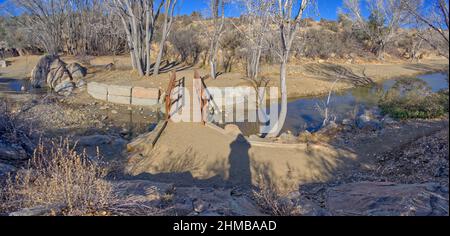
column 433, row 15
column 385, row 18
column 59, row 177
column 187, row 44
column 273, row 203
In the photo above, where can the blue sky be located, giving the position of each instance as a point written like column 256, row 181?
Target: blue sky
column 327, row 8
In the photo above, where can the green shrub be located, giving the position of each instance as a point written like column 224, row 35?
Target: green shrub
column 412, row 98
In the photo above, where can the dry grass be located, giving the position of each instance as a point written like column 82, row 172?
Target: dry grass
column 59, row 177
column 272, row 202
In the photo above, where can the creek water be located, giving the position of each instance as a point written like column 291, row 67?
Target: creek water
column 305, row 113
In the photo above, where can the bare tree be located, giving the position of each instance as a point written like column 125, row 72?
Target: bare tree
column 257, row 19
column 386, row 17
column 434, row 15
column 169, row 7
column 218, row 20
column 139, row 21
column 91, row 30
column 287, row 16
column 45, row 19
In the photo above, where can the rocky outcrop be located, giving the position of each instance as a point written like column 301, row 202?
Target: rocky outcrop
column 53, row 72
column 186, row 201
column 40, row 71
column 388, row 199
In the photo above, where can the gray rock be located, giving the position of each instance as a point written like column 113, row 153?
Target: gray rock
column 200, row 205
column 109, row 67
column 95, row 140
column 368, row 120
column 40, row 71
column 35, row 211
column 77, row 71
column 58, row 73
column 347, row 122
column 287, row 137
column 305, row 207
column 3, row 63
column 80, row 83
column 64, row 88
column 12, row 153
column 387, row 120
column 387, row 199
column 329, row 127
column 5, row 169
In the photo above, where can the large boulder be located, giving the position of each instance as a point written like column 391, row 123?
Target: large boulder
column 40, row 71
column 53, row 72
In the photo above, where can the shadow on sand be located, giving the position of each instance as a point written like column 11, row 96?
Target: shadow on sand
column 178, row 169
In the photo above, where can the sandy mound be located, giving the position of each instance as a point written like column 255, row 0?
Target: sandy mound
column 215, row 159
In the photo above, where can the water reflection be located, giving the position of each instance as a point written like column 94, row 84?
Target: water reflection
column 304, row 115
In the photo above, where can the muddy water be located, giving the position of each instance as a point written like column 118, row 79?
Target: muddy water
column 18, row 86
column 133, row 121
column 305, row 113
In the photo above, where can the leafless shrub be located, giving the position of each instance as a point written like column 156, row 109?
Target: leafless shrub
column 272, row 202
column 11, row 131
column 59, row 176
column 187, row 43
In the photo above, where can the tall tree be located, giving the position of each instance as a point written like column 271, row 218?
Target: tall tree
column 434, row 15
column 256, row 20
column 386, row 17
column 139, row 21
column 45, row 19
column 287, row 16
column 169, row 8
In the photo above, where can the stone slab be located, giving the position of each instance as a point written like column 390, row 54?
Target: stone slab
column 143, row 101
column 97, row 91
column 148, row 93
column 119, row 99
column 118, row 90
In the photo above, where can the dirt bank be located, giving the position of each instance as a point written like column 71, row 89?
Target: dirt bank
column 190, row 154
